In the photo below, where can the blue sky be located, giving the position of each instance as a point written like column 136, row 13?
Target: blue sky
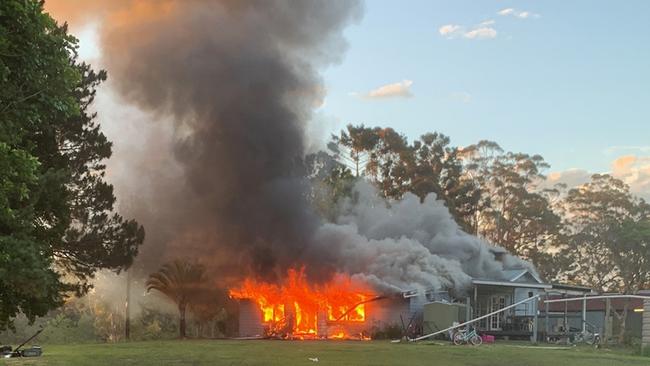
column 569, row 80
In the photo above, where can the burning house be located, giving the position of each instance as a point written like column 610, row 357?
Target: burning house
column 231, row 87
column 339, row 309
column 348, row 309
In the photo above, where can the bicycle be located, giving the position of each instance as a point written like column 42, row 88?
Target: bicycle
column 462, row 336
column 592, row 339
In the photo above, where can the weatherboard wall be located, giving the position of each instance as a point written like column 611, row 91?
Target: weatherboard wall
column 250, row 319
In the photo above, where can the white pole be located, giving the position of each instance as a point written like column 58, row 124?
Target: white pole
column 476, row 319
column 534, row 336
column 584, row 315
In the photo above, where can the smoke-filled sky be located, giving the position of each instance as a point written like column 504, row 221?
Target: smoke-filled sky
column 222, row 92
column 571, row 74
column 212, row 105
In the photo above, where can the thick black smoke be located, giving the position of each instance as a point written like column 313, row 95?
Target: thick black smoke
column 239, row 80
column 230, row 86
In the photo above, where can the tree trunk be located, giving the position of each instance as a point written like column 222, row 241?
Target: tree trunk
column 622, row 319
column 608, row 323
column 127, row 309
column 182, row 327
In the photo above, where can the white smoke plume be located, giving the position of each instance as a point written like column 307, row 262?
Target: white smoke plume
column 404, row 245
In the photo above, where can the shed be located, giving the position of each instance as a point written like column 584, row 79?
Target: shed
column 440, row 315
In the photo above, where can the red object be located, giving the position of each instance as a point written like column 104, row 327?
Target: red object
column 486, row 338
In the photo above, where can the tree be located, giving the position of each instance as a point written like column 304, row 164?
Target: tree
column 395, row 166
column 356, row 144
column 438, row 169
column 511, row 211
column 609, row 238
column 209, row 310
column 182, row 282
column 330, row 181
column 57, row 225
column 478, row 160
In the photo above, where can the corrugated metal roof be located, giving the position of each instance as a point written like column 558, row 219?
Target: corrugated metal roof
column 593, row 305
column 510, row 284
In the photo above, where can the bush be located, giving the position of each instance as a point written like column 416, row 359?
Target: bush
column 154, row 324
column 392, row 331
column 643, row 351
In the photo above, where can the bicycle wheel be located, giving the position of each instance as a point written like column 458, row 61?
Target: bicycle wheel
column 596, row 340
column 458, row 339
column 476, row 340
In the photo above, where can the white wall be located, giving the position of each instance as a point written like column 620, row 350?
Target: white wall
column 526, row 309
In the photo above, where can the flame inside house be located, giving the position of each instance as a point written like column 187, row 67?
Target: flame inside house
column 299, row 310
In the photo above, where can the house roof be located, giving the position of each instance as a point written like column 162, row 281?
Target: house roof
column 513, row 275
column 564, row 288
column 510, row 284
column 593, row 305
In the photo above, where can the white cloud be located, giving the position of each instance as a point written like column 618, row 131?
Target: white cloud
column 449, row 30
column 517, row 13
column 400, row 89
column 506, row 11
column 634, row 170
column 571, row 177
column 481, row 33
column 483, row 30
column 523, row 15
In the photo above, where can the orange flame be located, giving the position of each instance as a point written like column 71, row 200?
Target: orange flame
column 294, row 308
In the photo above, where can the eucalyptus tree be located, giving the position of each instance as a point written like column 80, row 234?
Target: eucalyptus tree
column 609, row 238
column 511, row 209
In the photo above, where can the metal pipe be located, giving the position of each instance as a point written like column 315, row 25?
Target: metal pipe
column 536, row 297
column 380, row 297
column 468, row 310
column 534, row 336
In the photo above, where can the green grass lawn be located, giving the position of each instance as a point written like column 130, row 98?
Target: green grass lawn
column 286, row 353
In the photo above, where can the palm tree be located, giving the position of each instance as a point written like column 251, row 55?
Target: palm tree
column 179, row 280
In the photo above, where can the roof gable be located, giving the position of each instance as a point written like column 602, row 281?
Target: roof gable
column 521, row 276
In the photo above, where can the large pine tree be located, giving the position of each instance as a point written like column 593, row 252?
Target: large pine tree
column 57, row 224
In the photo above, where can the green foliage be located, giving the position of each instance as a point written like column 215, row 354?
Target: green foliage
column 511, row 211
column 154, row 324
column 643, row 351
column 56, row 210
column 181, row 281
column 609, row 239
column 609, row 234
column 395, row 166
